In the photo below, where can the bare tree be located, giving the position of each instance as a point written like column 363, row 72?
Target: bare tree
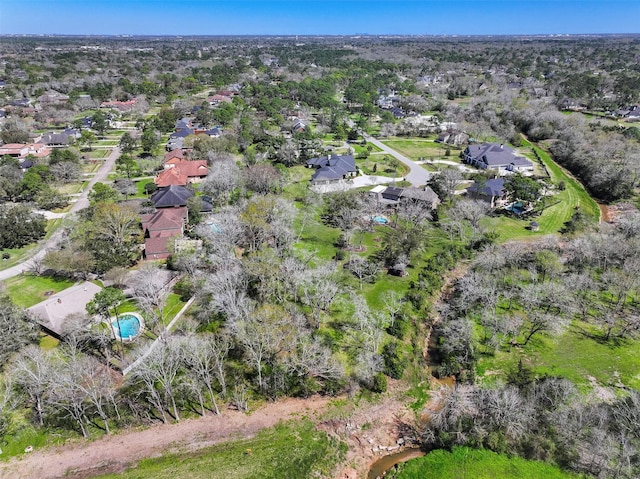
column 313, row 359
column 151, row 291
column 269, row 330
column 364, row 269
column 225, row 292
column 393, row 303
column 319, row 287
column 205, row 359
column 158, row 377
column 450, row 178
column 472, row 211
column 224, row 177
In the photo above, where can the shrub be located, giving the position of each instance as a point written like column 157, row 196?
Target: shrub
column 185, row 288
column 399, row 328
column 394, row 361
column 379, row 384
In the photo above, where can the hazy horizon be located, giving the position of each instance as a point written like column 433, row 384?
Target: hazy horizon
column 312, row 17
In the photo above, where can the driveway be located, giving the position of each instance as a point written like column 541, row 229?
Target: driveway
column 358, row 182
column 417, row 176
column 81, row 203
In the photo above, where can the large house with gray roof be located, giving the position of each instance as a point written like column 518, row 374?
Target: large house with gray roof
column 332, row 168
column 493, row 156
column 492, row 191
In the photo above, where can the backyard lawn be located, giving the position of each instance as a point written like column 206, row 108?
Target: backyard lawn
column 140, row 193
column 25, row 290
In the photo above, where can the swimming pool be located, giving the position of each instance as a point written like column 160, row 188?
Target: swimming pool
column 381, row 220
column 517, row 208
column 127, row 326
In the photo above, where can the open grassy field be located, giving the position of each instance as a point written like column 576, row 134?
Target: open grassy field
column 577, row 354
column 286, row 451
column 416, row 148
column 382, row 165
column 25, row 290
column 477, row 464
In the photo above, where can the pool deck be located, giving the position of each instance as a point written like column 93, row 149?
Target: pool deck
column 52, row 312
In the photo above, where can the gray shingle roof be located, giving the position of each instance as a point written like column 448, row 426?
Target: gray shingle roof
column 494, row 155
column 171, row 196
column 494, row 187
column 332, row 167
column 426, row 194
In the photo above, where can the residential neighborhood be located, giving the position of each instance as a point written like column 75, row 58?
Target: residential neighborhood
column 318, row 256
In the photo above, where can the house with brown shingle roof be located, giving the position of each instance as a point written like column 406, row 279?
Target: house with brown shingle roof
column 175, row 153
column 171, row 176
column 121, row 106
column 159, row 227
column 179, row 172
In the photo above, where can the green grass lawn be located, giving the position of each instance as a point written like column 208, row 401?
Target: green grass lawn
column 72, row 188
column 573, row 355
column 292, row 450
column 23, row 434
column 99, row 154
column 477, row 464
column 16, row 255
column 382, row 165
column 25, row 290
column 357, row 148
column 416, row 148
column 172, row 307
column 90, row 166
column 318, row 238
column 140, row 193
column 298, row 182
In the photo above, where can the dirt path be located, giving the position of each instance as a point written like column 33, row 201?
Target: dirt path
column 371, row 430
column 81, row 459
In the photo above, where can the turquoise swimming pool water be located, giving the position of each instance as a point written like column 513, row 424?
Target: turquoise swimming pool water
column 128, row 326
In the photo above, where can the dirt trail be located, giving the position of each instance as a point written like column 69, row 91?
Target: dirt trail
column 370, row 429
column 81, row 459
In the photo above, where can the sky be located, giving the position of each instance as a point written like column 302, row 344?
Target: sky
column 313, row 17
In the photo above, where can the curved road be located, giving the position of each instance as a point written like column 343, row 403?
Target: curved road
column 417, row 176
column 81, row 203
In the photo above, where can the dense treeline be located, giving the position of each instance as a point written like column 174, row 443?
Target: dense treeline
column 545, row 420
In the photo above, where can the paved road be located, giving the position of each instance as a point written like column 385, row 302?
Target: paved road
column 417, row 176
column 81, row 203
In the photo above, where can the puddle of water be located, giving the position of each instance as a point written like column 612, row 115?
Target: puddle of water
column 382, row 465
